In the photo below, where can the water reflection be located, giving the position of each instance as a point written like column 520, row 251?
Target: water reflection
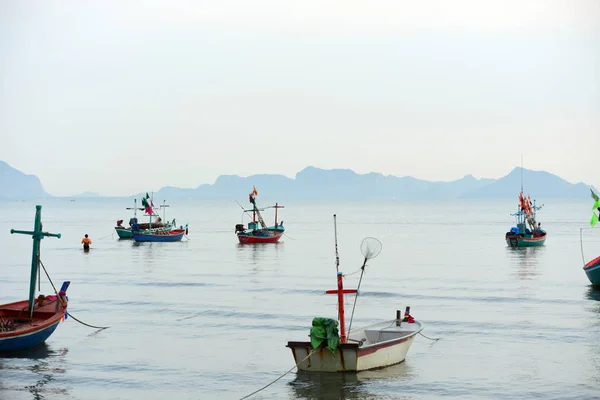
column 526, row 260
column 337, row 386
column 259, row 251
column 33, row 371
column 593, row 293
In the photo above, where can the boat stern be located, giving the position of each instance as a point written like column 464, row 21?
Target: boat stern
column 324, row 360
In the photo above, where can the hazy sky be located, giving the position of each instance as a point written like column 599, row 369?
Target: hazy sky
column 120, row 97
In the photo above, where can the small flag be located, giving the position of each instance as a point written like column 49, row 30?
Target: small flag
column 594, row 195
column 254, row 191
column 594, row 220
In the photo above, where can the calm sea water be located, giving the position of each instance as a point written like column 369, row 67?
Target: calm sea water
column 209, row 319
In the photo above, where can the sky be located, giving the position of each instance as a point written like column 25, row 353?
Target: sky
column 121, row 97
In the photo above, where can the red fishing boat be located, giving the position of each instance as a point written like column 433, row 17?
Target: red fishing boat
column 263, row 234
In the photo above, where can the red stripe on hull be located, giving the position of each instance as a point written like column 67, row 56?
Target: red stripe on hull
column 44, row 315
column 592, row 263
column 249, row 239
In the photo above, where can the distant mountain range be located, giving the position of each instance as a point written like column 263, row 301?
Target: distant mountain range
column 16, row 185
column 319, row 184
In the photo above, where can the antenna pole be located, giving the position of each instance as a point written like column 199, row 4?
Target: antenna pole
column 337, row 257
column 521, row 172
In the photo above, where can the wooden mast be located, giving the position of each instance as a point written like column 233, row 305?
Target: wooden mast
column 340, row 291
column 37, row 236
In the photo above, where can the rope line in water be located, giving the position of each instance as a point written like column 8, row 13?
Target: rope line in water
column 427, row 337
column 83, row 323
column 104, row 237
column 61, row 301
column 281, row 376
column 286, row 235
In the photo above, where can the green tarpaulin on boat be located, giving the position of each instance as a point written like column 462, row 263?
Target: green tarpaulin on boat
column 325, row 329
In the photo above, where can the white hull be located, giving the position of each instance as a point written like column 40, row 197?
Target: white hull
column 383, row 344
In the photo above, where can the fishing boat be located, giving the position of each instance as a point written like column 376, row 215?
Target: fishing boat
column 522, row 235
column 29, row 323
column 173, row 235
column 255, row 234
column 592, row 268
column 374, row 346
column 157, row 225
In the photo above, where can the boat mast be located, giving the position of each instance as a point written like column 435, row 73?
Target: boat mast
column 135, row 208
column 340, row 291
column 276, row 206
column 164, row 206
column 37, row 235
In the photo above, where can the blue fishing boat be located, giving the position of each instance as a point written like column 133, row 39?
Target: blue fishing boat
column 157, row 225
column 29, row 323
column 174, row 235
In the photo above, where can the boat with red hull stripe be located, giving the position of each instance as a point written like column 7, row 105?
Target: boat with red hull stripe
column 374, row 346
column 257, row 231
column 28, row 323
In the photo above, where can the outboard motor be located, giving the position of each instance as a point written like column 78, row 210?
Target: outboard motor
column 133, row 220
column 239, row 228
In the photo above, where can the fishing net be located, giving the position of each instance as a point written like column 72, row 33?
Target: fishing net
column 370, row 247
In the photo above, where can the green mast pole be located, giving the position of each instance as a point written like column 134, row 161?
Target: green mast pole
column 37, row 236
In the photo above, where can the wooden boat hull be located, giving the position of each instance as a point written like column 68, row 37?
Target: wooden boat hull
column 592, row 270
column 125, row 233
column 351, row 357
column 250, row 238
column 174, row 235
column 46, row 317
column 525, row 241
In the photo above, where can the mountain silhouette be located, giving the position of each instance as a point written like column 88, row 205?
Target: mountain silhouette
column 16, row 185
column 334, row 184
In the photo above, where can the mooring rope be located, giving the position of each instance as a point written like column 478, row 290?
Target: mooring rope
column 83, row 323
column 104, row 237
column 427, row 337
column 281, row 376
column 61, row 301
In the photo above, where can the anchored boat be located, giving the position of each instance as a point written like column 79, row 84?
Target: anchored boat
column 522, row 235
column 152, row 226
column 173, row 235
column 374, row 346
column 29, row 323
column 254, row 233
column 592, row 268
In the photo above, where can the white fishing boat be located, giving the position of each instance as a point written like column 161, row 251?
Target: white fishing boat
column 378, row 345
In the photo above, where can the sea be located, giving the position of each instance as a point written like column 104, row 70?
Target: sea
column 208, row 318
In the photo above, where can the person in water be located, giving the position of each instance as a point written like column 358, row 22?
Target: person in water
column 86, row 242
